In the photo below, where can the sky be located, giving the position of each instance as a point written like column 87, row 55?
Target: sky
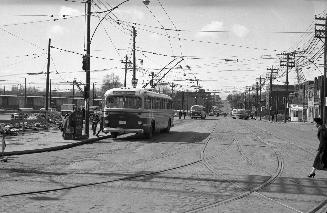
column 225, row 44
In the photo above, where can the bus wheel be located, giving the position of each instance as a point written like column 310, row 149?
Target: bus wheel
column 114, row 134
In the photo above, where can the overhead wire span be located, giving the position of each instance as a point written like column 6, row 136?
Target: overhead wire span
column 77, row 53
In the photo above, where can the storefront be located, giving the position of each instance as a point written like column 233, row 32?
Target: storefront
column 296, row 112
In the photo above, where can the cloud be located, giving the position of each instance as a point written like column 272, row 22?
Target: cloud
column 132, row 13
column 213, row 26
column 68, row 11
column 154, row 36
column 56, row 30
column 240, row 30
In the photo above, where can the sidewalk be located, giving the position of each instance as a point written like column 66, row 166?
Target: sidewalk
column 40, row 140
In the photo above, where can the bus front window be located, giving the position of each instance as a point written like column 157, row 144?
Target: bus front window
column 123, row 102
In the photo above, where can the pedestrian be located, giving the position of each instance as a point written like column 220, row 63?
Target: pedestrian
column 184, row 113
column 320, row 162
column 180, row 114
column 101, row 119
column 3, row 132
column 95, row 121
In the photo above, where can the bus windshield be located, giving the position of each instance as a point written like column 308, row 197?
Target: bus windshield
column 196, row 108
column 123, row 102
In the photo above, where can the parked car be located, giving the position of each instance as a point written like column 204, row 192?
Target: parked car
column 197, row 111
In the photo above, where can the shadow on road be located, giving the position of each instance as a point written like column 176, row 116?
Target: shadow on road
column 171, row 137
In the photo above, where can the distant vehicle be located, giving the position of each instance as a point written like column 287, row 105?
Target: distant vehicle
column 137, row 111
column 67, row 109
column 240, row 114
column 49, row 109
column 197, row 111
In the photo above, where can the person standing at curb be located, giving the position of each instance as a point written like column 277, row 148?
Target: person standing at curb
column 320, row 162
column 3, row 132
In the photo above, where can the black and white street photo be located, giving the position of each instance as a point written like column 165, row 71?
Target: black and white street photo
column 163, row 106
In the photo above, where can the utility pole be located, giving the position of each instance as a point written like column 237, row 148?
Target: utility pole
column 249, row 108
column 289, row 62
column 126, row 62
column 257, row 97
column 260, row 86
column 47, row 81
column 272, row 71
column 50, row 95
column 93, row 93
column 151, row 82
column 47, row 86
column 134, row 80
column 87, row 70
column 73, row 90
column 4, row 90
column 25, row 97
column 321, row 33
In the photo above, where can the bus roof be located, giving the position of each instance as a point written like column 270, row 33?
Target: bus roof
column 135, row 91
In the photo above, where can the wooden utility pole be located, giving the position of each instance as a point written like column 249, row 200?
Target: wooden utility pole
column 93, row 94
column 134, row 79
column 87, row 70
column 47, row 86
column 289, row 62
column 50, row 94
column 74, row 90
column 272, row 71
column 321, row 33
column 260, row 96
column 125, row 62
column 256, row 98
column 48, row 78
column 25, row 97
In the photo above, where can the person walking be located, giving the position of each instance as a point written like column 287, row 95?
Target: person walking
column 101, row 119
column 320, row 162
column 95, row 121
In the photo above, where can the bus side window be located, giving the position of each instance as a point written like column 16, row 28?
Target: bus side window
column 146, row 103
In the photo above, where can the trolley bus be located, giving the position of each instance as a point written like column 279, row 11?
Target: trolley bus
column 133, row 110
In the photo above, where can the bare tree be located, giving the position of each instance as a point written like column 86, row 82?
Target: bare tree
column 110, row 81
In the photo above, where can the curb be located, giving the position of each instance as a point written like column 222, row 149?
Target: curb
column 56, row 148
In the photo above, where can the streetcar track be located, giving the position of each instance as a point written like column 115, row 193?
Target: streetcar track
column 130, row 177
column 273, row 177
column 321, row 204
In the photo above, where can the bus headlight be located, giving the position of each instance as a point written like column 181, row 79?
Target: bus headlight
column 139, row 122
column 106, row 121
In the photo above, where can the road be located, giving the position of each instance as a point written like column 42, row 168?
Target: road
column 214, row 165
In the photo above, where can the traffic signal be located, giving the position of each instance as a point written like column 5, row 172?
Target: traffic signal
column 85, row 62
column 86, row 92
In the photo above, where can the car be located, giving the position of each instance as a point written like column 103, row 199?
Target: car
column 197, row 111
